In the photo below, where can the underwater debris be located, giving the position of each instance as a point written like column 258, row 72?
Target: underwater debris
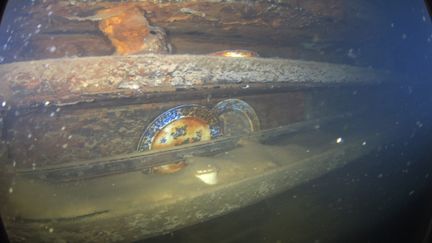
column 208, row 175
column 168, row 168
column 235, row 53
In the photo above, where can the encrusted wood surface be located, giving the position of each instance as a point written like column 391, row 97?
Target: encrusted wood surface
column 72, row 80
column 326, row 30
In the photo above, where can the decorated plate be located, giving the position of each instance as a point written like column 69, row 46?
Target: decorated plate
column 180, row 125
column 237, row 117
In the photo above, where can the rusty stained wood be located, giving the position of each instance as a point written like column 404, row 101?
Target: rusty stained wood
column 75, row 133
column 316, row 30
column 71, row 80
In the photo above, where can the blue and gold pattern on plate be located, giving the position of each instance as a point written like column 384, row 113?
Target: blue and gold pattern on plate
column 180, row 125
column 237, row 117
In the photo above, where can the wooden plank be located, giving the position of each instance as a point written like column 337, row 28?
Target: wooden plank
column 145, row 160
column 74, row 80
column 318, row 30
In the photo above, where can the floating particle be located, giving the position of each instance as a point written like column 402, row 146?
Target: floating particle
column 339, row 140
column 364, row 143
column 10, row 189
column 410, row 89
column 351, row 54
column 52, row 48
column 46, row 103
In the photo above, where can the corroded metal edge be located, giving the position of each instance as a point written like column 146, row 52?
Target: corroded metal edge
column 75, row 80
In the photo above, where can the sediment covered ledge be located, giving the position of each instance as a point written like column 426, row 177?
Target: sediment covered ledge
column 62, row 81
